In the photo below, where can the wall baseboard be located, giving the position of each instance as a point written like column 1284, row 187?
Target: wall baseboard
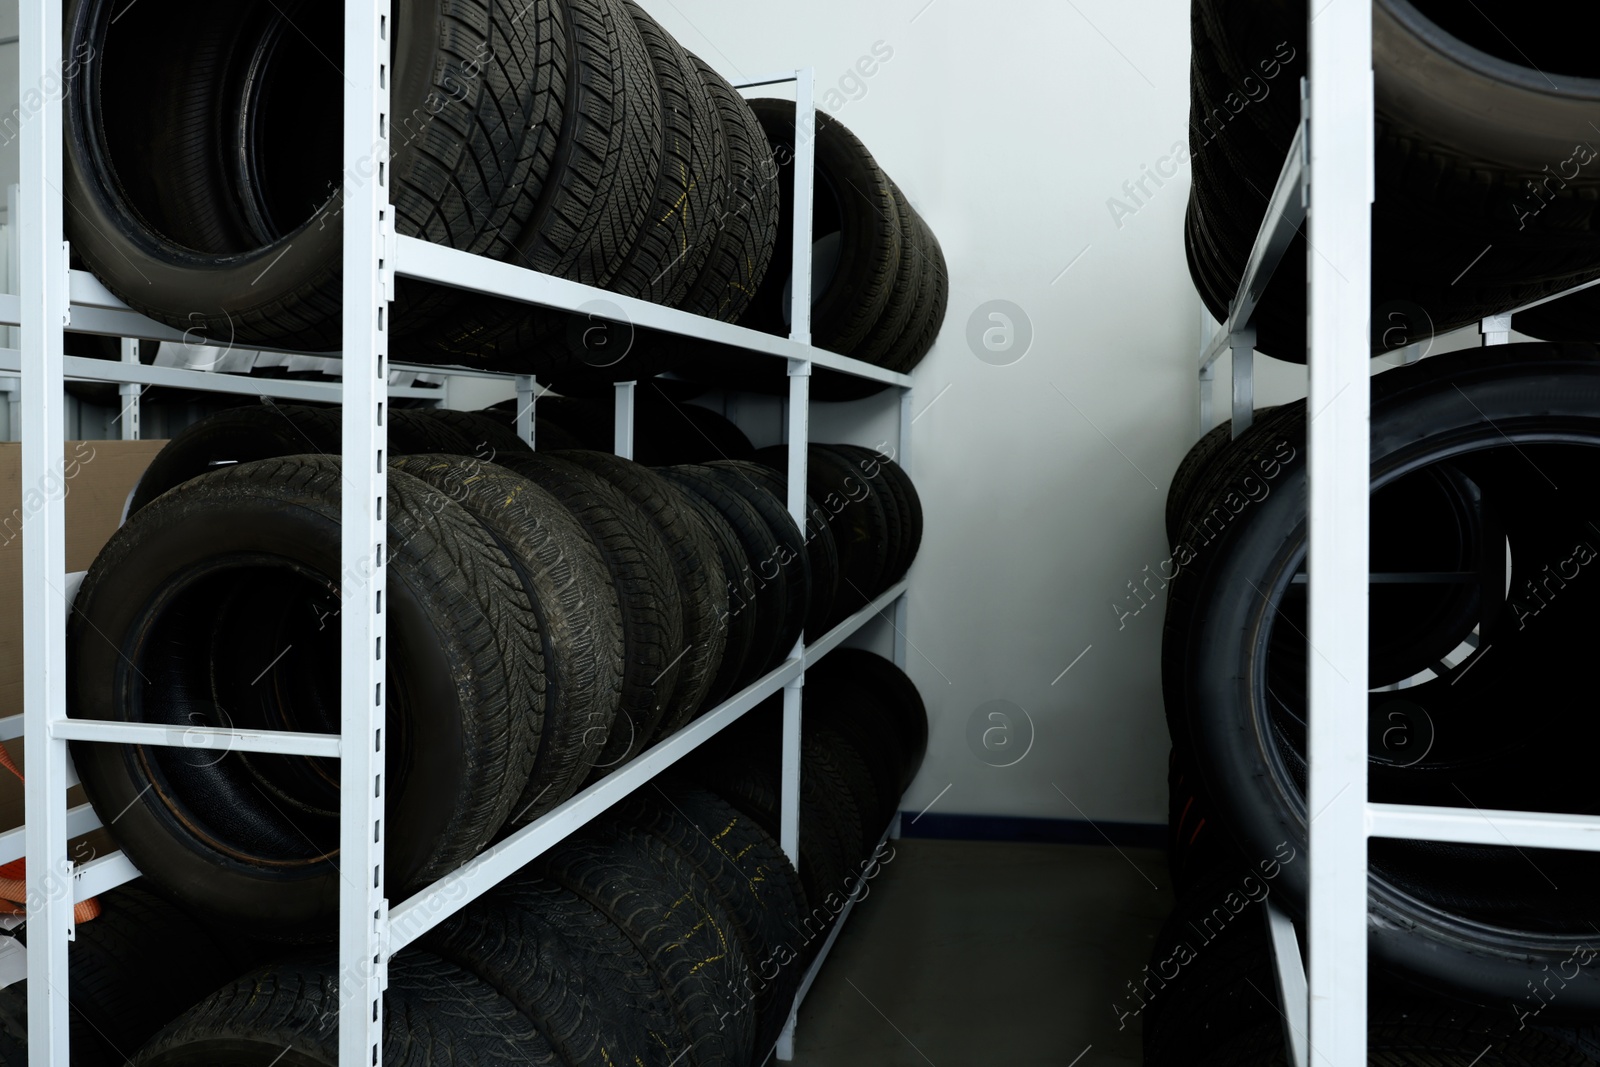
column 1044, row 831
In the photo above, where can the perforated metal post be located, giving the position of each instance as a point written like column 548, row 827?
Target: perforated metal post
column 368, row 288
column 624, row 422
column 42, row 287
column 1339, row 274
column 129, row 393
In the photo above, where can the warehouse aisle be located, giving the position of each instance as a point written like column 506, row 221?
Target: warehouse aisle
column 970, row 953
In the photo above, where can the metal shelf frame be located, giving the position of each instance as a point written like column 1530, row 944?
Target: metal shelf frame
column 1332, row 156
column 51, row 297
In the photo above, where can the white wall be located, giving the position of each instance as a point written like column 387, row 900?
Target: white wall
column 1009, row 124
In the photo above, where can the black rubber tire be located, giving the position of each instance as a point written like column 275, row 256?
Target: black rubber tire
column 855, row 516
column 676, row 238
column 766, row 601
column 766, row 872
column 433, row 1013
column 747, row 229
column 867, row 728
column 747, row 874
column 1458, row 918
column 738, row 621
column 1196, row 992
column 485, row 437
column 859, row 788
column 413, row 433
column 896, row 318
column 741, row 766
column 1195, row 463
column 895, row 511
column 687, row 939
column 933, row 300
column 474, row 88
column 1418, row 1034
column 237, row 435
column 702, row 589
column 135, row 967
column 641, row 569
column 922, row 285
column 609, row 154
column 840, row 783
column 893, row 690
column 792, row 565
column 567, row 968
column 574, row 602
column 669, row 431
column 598, row 195
column 853, row 197
column 1210, row 995
column 904, row 490
column 822, row 555
column 14, row 1025
column 1475, row 158
column 463, row 656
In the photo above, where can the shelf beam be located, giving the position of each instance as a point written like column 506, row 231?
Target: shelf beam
column 80, row 820
column 1477, row 826
column 462, row 270
column 1286, row 210
column 203, row 738
column 414, row 917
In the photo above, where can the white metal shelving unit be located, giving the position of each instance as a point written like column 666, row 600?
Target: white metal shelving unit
column 1328, row 182
column 52, row 297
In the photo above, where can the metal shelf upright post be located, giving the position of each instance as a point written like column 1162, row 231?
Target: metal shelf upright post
column 43, row 312
column 368, row 290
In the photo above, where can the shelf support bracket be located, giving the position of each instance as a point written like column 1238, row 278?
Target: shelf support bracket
column 1292, row 993
column 622, row 432
column 527, row 396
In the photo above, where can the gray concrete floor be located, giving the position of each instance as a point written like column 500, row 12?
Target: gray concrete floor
column 967, row 954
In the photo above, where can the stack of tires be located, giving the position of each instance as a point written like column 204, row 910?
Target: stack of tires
column 1209, row 997
column 662, row 933
column 879, row 283
column 1486, row 179
column 1482, row 622
column 550, row 616
column 669, row 930
column 134, row 967
column 867, row 503
column 864, row 735
column 572, row 137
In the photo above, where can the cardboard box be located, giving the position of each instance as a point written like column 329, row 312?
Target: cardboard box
column 94, row 480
